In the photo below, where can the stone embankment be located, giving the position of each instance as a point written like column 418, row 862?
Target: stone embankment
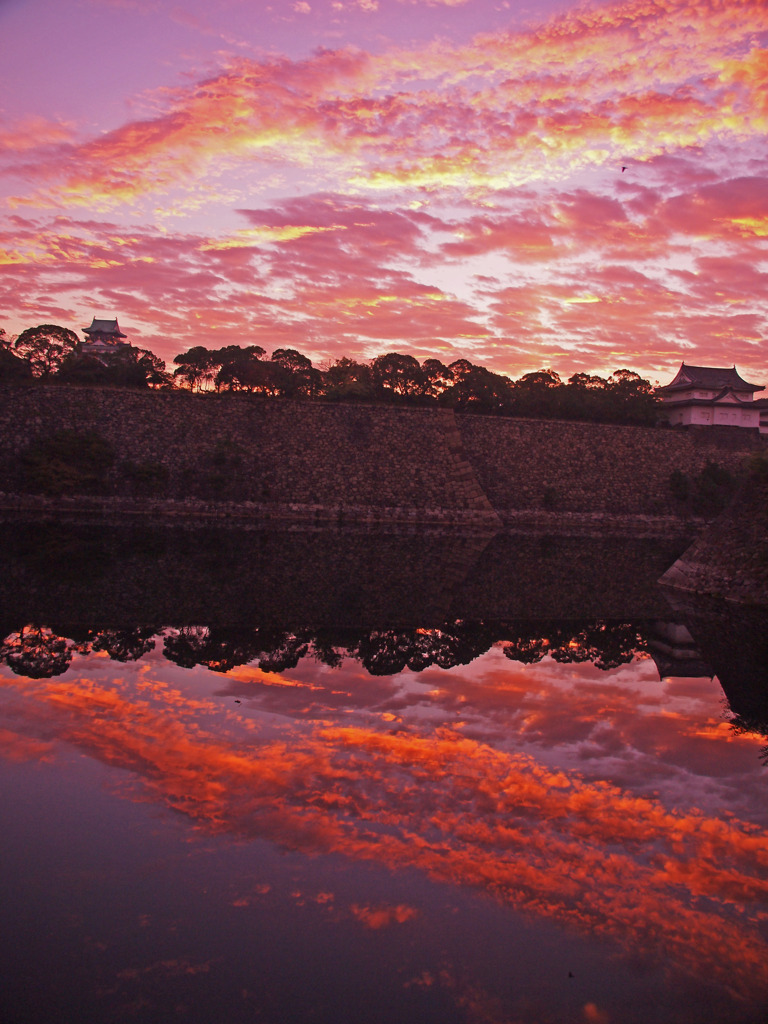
column 245, row 455
column 341, row 514
column 729, row 558
column 592, row 468
column 231, row 456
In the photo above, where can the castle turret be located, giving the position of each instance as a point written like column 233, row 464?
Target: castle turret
column 103, row 336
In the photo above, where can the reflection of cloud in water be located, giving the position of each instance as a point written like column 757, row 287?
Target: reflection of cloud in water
column 645, row 734
column 674, row 884
column 382, row 915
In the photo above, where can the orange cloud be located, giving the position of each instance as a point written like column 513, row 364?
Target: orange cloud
column 15, row 747
column 256, row 236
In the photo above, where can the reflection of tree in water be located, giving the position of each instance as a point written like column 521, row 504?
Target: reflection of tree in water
column 119, row 644
column 387, row 652
column 38, row 651
column 221, row 649
column 194, row 645
column 737, row 655
column 125, row 644
column 606, row 645
column 751, row 725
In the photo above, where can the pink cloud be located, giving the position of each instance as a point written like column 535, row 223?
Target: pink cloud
column 343, row 108
column 524, row 238
column 733, row 210
column 357, row 279
column 33, row 133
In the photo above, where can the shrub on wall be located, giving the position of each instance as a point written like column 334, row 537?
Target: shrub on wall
column 67, row 463
column 549, row 499
column 715, row 487
column 219, row 476
column 679, row 485
column 705, row 494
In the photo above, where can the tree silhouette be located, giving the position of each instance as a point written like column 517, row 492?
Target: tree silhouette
column 438, row 378
column 45, row 347
column 347, row 380
column 242, row 369
column 476, row 389
column 126, row 367
column 395, row 375
column 13, row 369
column 302, row 379
column 196, row 367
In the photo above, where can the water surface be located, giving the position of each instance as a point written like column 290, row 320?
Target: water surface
column 349, row 792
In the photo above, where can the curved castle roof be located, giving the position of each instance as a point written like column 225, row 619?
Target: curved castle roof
column 710, row 377
column 104, row 327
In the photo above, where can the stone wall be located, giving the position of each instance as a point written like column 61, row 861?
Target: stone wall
column 267, row 452
column 591, row 467
column 364, row 461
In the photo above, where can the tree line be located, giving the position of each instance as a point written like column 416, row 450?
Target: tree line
column 54, row 354
column 39, row 652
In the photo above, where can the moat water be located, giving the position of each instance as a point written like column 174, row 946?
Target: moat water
column 310, row 776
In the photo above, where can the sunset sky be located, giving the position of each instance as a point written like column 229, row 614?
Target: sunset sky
column 579, row 186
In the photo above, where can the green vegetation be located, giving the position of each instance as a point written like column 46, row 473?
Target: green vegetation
column 705, row 494
column 67, row 463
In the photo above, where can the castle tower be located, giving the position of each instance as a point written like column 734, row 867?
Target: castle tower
column 103, row 337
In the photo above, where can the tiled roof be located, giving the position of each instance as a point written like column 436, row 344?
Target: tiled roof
column 710, row 377
column 104, row 327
